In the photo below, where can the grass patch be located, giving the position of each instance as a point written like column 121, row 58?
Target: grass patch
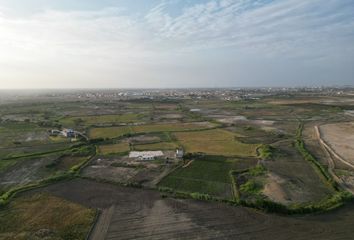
column 251, row 187
column 323, row 173
column 207, row 175
column 156, row 146
column 265, row 152
column 26, row 217
column 215, row 142
column 101, row 119
column 114, row 132
column 4, row 164
column 114, row 148
column 109, row 132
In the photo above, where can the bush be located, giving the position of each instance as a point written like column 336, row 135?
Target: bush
column 251, row 186
column 265, row 151
column 257, row 170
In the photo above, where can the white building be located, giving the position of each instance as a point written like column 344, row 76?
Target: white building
column 179, row 153
column 69, row 133
column 145, row 155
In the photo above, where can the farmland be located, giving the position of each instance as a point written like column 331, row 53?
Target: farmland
column 209, row 175
column 215, row 142
column 134, row 212
column 262, row 153
column 156, row 146
column 114, row 148
column 40, row 216
column 101, row 119
column 114, row 132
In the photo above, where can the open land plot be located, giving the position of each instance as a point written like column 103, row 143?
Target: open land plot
column 210, row 175
column 102, row 119
column 143, row 214
column 114, row 148
column 109, row 132
column 112, row 132
column 169, row 107
column 43, row 216
column 31, row 169
column 22, row 150
column 340, row 137
column 126, row 170
column 14, row 134
column 26, row 170
column 312, row 143
column 172, row 127
column 293, row 179
column 156, row 146
column 64, row 163
column 215, row 142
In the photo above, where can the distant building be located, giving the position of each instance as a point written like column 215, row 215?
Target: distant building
column 179, row 153
column 145, row 155
column 54, row 132
column 69, row 133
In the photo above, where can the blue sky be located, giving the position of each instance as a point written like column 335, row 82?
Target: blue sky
column 175, row 43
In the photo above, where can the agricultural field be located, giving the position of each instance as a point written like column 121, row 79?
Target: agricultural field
column 114, row 148
column 208, row 175
column 131, row 213
column 215, row 142
column 102, row 119
column 280, row 154
column 113, row 132
column 44, row 216
column 156, row 146
column 110, row 132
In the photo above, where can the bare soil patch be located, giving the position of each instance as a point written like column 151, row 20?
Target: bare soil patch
column 142, row 214
column 340, row 137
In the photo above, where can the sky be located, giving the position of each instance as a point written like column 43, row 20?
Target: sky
column 175, row 43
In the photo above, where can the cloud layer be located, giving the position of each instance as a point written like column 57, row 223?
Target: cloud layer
column 212, row 43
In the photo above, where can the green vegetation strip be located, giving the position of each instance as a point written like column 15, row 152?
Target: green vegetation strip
column 36, row 154
column 258, row 202
column 324, row 174
column 70, row 174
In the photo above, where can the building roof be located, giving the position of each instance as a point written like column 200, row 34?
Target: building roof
column 145, row 154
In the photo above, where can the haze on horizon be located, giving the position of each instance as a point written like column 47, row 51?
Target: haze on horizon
column 175, row 43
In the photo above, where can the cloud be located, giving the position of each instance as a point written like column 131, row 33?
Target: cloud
column 111, row 44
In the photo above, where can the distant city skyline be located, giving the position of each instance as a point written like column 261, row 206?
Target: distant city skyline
column 175, row 44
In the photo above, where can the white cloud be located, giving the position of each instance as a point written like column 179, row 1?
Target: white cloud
column 112, row 46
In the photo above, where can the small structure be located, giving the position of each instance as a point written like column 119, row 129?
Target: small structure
column 54, row 132
column 179, row 153
column 145, row 155
column 69, row 133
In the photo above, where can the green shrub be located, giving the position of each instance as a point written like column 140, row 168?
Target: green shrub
column 265, row 151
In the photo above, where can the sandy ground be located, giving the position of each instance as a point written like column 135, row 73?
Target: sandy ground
column 274, row 190
column 340, row 137
column 143, row 214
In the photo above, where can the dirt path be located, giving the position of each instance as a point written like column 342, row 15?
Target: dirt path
column 189, row 163
column 101, row 228
column 331, row 165
column 330, row 150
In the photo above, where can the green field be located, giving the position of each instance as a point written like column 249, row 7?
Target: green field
column 25, row 216
column 109, row 132
column 215, row 142
column 209, row 175
column 101, row 119
column 156, row 146
column 114, row 148
column 112, row 132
